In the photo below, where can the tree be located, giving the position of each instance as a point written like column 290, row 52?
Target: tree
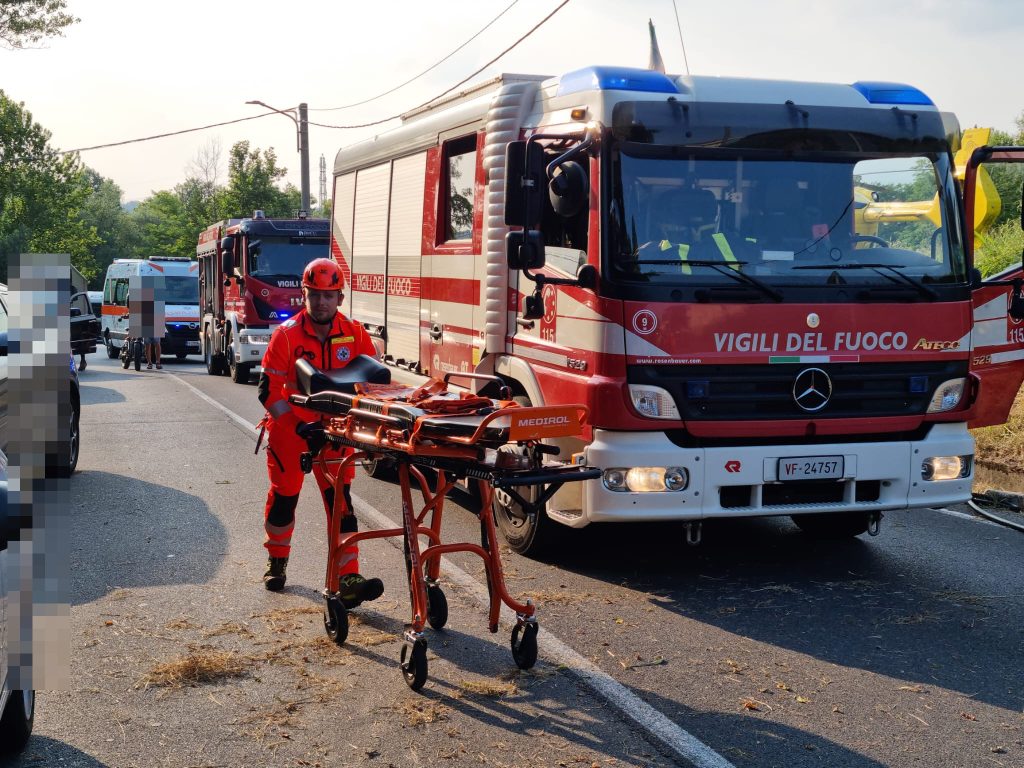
column 102, row 211
column 41, row 194
column 162, row 227
column 26, row 22
column 252, row 178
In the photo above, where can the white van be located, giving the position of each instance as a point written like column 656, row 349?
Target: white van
column 181, row 302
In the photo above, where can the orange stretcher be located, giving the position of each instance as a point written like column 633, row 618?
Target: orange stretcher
column 425, row 430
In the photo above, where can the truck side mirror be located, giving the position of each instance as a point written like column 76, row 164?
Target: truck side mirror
column 524, row 249
column 568, row 188
column 524, row 174
column 1016, row 310
column 227, row 255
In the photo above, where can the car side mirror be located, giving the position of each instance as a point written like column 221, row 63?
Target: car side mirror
column 76, row 312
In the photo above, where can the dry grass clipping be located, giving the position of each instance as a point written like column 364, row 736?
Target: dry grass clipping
column 493, row 688
column 552, row 597
column 419, row 713
column 196, row 668
column 368, row 638
column 229, row 628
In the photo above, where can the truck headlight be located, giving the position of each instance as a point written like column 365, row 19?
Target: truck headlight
column 260, row 337
column 646, row 479
column 653, row 402
column 947, row 396
column 946, row 467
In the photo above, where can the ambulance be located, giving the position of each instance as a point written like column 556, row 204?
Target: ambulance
column 181, row 303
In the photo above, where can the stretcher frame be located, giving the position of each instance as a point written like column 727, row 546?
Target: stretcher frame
column 368, row 428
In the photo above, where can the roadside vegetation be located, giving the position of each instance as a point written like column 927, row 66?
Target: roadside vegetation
column 1000, row 452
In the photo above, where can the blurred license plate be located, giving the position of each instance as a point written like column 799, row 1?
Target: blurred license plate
column 811, row 468
column 194, row 344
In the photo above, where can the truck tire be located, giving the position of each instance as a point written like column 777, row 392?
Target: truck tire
column 833, row 525
column 111, row 349
column 526, row 534
column 239, row 372
column 214, row 363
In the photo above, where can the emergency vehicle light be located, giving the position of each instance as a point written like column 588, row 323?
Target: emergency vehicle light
column 891, row 93
column 615, row 79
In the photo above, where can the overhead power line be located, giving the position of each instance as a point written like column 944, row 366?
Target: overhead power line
column 163, row 135
column 535, row 27
column 425, row 71
column 473, row 74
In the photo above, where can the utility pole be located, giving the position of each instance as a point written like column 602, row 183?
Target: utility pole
column 322, row 197
column 304, row 153
column 302, row 137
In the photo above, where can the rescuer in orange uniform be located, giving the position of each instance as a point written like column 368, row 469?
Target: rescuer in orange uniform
column 329, row 340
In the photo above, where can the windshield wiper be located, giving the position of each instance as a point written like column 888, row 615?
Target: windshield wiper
column 921, row 288
column 722, row 269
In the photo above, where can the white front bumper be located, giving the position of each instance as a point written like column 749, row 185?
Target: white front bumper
column 887, row 475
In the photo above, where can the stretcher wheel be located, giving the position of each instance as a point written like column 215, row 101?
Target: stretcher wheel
column 524, row 644
column 414, row 670
column 437, row 607
column 336, row 620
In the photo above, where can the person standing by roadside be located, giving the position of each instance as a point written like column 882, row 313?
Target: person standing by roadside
column 321, row 334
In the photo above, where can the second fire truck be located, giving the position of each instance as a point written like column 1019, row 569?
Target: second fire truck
column 249, row 282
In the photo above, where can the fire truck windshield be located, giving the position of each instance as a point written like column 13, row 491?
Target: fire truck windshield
column 783, row 218
column 273, row 257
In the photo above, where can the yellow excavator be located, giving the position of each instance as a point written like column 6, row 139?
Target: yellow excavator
column 869, row 212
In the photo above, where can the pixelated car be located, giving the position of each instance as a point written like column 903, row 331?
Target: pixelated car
column 18, row 707
column 68, row 462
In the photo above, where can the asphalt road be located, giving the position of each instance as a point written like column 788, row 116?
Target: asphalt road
column 769, row 648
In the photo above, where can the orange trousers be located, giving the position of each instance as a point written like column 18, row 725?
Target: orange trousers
column 284, row 448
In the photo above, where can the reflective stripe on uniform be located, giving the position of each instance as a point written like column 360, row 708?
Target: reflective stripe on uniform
column 279, row 409
column 683, row 250
column 725, row 250
column 274, row 372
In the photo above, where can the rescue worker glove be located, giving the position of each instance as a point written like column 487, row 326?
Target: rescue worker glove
column 313, row 433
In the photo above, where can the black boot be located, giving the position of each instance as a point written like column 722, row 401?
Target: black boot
column 275, row 576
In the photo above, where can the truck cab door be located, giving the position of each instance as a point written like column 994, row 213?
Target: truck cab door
column 997, row 338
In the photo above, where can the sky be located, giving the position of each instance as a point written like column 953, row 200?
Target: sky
column 130, row 70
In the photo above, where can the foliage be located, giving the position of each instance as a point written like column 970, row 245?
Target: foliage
column 41, row 194
column 102, row 210
column 252, row 178
column 26, row 22
column 1002, row 246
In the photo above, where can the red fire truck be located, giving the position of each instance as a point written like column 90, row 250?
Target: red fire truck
column 249, row 282
column 727, row 271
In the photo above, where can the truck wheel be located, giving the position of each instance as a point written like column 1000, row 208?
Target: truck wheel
column 214, row 363
column 111, row 349
column 239, row 371
column 532, row 534
column 833, row 525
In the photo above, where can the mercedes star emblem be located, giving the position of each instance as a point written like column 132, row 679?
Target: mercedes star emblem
column 812, row 389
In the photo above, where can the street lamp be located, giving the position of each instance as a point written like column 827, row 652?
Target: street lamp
column 302, row 138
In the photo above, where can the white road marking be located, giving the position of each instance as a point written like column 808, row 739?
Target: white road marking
column 965, row 516
column 231, row 414
column 643, row 715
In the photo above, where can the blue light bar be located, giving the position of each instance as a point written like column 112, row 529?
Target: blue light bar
column 892, row 93
column 615, row 79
